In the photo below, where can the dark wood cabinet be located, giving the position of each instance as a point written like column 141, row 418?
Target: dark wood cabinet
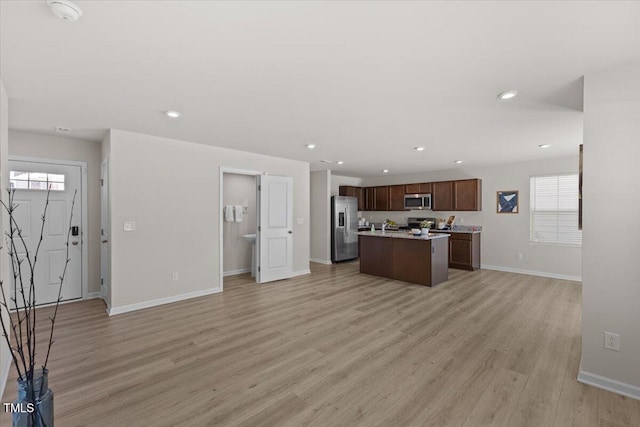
column 351, row 191
column 419, row 188
column 396, row 197
column 381, row 198
column 442, row 196
column 464, row 250
column 369, row 199
column 423, row 262
column 467, row 195
column 461, row 195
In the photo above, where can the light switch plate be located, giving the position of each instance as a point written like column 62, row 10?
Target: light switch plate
column 300, row 221
column 129, row 226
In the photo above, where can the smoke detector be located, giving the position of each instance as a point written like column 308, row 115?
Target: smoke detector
column 65, row 10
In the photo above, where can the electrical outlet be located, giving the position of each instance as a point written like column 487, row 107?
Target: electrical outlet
column 174, row 276
column 519, row 256
column 612, row 341
column 461, row 220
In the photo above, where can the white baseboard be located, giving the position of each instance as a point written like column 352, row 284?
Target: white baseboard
column 4, row 370
column 234, row 272
column 300, row 273
column 320, row 261
column 532, row 273
column 609, row 384
column 92, row 295
column 160, row 301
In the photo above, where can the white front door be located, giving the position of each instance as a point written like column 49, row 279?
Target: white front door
column 30, row 181
column 275, row 235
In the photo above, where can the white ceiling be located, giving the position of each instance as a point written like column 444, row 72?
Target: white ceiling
column 365, row 81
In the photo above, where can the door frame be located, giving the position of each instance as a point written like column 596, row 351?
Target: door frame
column 223, row 170
column 84, row 214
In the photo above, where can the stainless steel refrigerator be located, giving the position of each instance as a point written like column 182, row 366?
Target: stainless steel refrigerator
column 344, row 228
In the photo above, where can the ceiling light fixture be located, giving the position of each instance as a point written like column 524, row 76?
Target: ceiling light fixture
column 340, row 162
column 457, row 162
column 310, row 146
column 544, row 145
column 385, row 170
column 419, row 148
column 173, row 114
column 510, row 94
column 65, row 10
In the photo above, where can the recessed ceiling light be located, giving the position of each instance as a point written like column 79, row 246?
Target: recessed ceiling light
column 544, row 145
column 65, row 10
column 419, row 148
column 510, row 94
column 340, row 162
column 173, row 114
column 310, row 146
column 457, row 162
column 385, row 170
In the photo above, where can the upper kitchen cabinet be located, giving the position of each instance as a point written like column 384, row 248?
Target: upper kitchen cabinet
column 467, row 195
column 381, row 198
column 442, row 196
column 420, row 188
column 369, row 198
column 396, row 197
column 351, row 191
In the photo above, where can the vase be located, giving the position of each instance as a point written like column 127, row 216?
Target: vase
column 34, row 405
column 425, row 231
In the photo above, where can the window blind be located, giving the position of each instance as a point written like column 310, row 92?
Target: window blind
column 554, row 209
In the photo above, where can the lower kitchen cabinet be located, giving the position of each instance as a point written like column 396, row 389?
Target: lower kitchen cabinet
column 464, row 250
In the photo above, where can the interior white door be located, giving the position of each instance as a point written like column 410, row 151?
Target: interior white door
column 30, row 181
column 275, row 232
column 105, row 236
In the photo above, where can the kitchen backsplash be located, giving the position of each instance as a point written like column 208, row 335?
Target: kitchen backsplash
column 469, row 219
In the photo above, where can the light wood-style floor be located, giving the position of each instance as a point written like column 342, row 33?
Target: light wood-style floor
column 335, row 348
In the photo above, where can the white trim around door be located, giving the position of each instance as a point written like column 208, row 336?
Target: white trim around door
column 84, row 219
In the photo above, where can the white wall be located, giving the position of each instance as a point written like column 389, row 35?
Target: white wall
column 61, row 148
column 239, row 190
column 171, row 189
column 5, row 356
column 611, row 273
column 338, row 180
column 320, row 188
column 503, row 235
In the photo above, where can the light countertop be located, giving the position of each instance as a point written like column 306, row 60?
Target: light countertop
column 402, row 235
column 457, row 231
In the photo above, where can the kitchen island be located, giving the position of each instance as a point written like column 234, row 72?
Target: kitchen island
column 400, row 255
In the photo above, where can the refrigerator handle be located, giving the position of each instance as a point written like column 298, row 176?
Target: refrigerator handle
column 347, row 220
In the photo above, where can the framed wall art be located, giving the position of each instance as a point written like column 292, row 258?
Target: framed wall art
column 507, row 201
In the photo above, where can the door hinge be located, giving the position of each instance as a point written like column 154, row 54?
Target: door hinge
column 259, row 187
column 102, row 231
column 258, row 268
column 259, row 228
column 101, row 182
column 102, row 281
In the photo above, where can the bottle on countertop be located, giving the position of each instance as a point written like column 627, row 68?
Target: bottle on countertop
column 373, row 228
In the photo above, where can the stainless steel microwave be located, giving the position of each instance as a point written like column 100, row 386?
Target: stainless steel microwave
column 417, row 201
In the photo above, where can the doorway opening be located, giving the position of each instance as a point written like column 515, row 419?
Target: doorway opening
column 239, row 231
column 273, row 225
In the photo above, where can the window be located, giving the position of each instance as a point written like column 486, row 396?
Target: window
column 36, row 181
column 554, row 209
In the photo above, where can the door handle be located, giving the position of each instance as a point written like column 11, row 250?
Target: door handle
column 105, row 241
column 290, row 232
column 74, row 243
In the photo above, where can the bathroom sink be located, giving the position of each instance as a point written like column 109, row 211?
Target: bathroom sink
column 250, row 237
